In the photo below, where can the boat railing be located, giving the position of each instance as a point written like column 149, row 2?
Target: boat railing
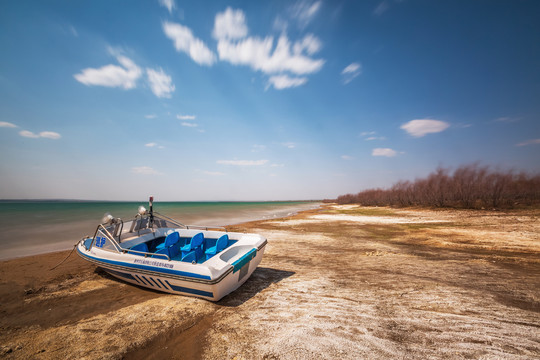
column 103, row 231
column 147, row 254
column 199, row 227
column 175, row 222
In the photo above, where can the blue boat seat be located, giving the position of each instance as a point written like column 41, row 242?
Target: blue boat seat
column 221, row 244
column 171, row 239
column 194, row 244
column 139, row 247
column 190, row 257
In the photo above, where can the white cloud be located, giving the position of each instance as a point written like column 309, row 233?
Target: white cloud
column 185, row 41
column 351, row 71
column 185, row 117
column 419, row 128
column 44, row 134
column 529, row 142
column 169, row 4
column 28, row 134
column 304, row 12
column 124, row 76
column 152, row 144
column 160, row 83
column 230, row 24
column 242, row 162
column 310, row 44
column 189, row 124
column 371, row 138
column 50, row 135
column 150, row 116
column 144, row 170
column 289, row 145
column 7, row 124
column 281, row 82
column 260, row 55
column 384, row 152
column 347, row 157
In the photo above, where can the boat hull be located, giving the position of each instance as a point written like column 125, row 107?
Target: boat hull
column 163, row 276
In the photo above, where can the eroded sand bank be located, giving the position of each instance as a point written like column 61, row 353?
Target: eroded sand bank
column 340, row 282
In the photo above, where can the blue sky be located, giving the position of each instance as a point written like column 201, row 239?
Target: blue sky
column 252, row 100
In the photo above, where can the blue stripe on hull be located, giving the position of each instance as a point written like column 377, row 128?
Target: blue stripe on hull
column 121, row 274
column 162, row 284
column 190, row 291
column 144, row 281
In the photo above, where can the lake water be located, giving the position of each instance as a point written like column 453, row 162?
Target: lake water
column 34, row 227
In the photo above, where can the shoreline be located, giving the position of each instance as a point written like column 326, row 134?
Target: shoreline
column 337, row 281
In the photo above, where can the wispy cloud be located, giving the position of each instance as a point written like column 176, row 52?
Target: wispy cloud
column 185, row 117
column 422, row 127
column 304, row 12
column 289, row 145
column 189, row 124
column 150, row 116
column 160, row 83
column 381, row 8
column 529, row 142
column 281, row 82
column 370, row 136
column 185, row 41
column 7, row 124
column 351, row 71
column 384, row 152
column 347, row 157
column 145, row 170
column 124, row 76
column 169, row 4
column 507, row 119
column 242, row 162
column 153, row 144
column 44, row 134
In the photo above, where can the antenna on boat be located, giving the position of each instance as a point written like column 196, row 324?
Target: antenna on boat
column 151, row 203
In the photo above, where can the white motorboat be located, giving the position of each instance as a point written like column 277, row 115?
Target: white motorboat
column 158, row 252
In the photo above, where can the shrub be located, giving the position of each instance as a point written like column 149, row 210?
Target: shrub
column 469, row 186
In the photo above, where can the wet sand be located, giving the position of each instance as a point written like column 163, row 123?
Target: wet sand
column 338, row 282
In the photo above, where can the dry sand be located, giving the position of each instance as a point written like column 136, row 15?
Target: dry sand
column 339, row 282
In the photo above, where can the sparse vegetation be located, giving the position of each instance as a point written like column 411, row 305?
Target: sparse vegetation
column 469, row 187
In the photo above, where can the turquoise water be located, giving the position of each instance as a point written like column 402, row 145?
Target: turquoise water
column 33, row 227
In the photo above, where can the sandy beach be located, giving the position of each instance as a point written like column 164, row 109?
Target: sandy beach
column 337, row 282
